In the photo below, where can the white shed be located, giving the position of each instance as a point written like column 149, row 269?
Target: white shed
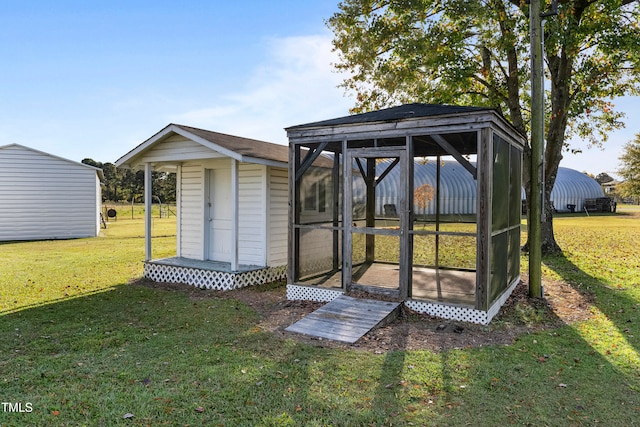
column 43, row 196
column 232, row 207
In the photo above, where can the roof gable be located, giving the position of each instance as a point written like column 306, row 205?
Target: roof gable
column 51, row 156
column 239, row 148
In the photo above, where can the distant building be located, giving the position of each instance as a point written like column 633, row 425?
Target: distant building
column 44, row 197
column 458, row 189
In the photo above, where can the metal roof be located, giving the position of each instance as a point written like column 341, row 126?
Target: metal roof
column 458, row 188
column 73, row 162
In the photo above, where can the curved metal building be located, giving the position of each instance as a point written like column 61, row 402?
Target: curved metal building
column 458, row 188
column 572, row 188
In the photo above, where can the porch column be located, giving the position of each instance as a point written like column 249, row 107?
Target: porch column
column 234, row 214
column 147, row 211
column 179, row 210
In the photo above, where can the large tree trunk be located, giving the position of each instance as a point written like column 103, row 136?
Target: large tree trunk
column 549, row 244
column 548, row 240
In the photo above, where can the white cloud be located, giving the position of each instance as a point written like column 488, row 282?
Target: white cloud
column 296, row 84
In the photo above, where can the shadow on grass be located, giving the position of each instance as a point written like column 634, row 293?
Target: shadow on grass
column 618, row 307
column 168, row 358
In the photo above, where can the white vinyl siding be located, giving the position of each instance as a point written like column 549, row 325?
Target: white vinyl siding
column 46, row 197
column 178, row 148
column 262, row 201
column 278, row 217
column 252, row 214
column 191, row 211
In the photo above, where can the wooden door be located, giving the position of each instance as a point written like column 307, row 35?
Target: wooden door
column 367, row 225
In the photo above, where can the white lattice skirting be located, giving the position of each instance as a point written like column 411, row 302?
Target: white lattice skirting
column 209, row 279
column 445, row 311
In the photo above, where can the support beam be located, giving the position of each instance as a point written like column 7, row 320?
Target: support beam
column 370, row 210
column 450, row 149
column 362, row 172
column 148, row 194
column 335, row 208
column 179, row 210
column 234, row 214
column 311, row 157
column 387, row 170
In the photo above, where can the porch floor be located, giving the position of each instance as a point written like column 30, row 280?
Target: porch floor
column 429, row 284
column 221, row 266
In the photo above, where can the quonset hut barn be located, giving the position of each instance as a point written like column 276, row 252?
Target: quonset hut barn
column 458, row 189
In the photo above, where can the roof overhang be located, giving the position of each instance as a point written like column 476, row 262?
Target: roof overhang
column 135, row 158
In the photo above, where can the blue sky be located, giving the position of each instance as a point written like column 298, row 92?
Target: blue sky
column 94, row 79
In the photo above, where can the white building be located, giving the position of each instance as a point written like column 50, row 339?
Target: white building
column 43, row 196
column 232, row 206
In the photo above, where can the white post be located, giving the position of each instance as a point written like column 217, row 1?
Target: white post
column 147, row 211
column 179, row 210
column 234, row 214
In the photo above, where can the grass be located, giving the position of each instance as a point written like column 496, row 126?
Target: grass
column 82, row 346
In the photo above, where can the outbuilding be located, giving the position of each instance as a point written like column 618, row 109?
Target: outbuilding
column 452, row 265
column 571, row 192
column 44, row 197
column 232, row 207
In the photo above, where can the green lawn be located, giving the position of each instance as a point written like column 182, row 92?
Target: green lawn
column 81, row 346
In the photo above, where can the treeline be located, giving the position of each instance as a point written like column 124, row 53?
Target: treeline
column 122, row 184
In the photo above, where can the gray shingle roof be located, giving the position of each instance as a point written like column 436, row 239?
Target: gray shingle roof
column 246, row 147
column 401, row 112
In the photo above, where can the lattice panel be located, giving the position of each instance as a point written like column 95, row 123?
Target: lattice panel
column 208, row 279
column 452, row 312
column 465, row 314
column 306, row 293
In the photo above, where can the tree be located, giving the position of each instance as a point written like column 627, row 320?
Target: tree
column 473, row 52
column 630, row 169
column 422, row 196
column 603, row 177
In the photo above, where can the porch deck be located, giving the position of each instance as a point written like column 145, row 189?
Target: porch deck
column 210, row 274
column 448, row 286
column 221, row 266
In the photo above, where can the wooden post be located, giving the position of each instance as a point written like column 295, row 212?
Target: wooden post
column 148, row 191
column 293, row 266
column 347, row 218
column 438, row 166
column 483, row 219
column 370, row 209
column 335, row 204
column 537, row 141
column 408, row 291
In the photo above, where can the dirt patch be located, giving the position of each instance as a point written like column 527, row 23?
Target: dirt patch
column 411, row 331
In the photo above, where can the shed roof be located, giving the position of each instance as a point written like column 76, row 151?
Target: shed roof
column 407, row 111
column 53, row 156
column 240, row 148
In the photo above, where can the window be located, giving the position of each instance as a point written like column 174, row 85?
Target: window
column 310, row 197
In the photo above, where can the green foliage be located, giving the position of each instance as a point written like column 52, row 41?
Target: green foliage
column 630, row 169
column 470, row 52
column 121, row 184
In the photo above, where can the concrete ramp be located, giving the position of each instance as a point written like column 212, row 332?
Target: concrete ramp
column 346, row 319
